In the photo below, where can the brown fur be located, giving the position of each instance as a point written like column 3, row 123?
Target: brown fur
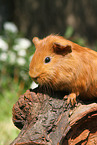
column 72, row 67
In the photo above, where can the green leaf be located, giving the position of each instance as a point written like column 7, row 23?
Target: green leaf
column 69, row 32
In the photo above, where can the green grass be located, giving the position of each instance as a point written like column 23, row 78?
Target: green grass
column 8, row 132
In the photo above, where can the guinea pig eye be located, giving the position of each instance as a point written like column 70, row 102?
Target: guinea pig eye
column 47, row 59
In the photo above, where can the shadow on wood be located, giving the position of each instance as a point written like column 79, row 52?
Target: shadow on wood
column 45, row 119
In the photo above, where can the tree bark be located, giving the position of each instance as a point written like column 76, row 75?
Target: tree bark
column 45, row 119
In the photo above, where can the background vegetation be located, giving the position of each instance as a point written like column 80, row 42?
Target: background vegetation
column 19, row 22
column 15, row 54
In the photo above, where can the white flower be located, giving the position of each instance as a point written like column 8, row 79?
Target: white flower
column 22, row 53
column 22, row 43
column 12, row 57
column 3, row 45
column 16, row 47
column 21, row 61
column 11, row 27
column 3, row 56
column 33, row 85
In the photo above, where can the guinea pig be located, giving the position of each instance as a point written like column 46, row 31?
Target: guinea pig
column 64, row 66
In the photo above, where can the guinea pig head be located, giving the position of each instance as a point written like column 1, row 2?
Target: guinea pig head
column 46, row 65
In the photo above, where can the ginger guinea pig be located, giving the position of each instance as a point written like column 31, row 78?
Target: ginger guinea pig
column 64, row 66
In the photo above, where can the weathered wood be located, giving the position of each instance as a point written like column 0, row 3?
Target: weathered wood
column 83, row 123
column 45, row 119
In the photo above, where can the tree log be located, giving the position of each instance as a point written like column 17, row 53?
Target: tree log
column 45, row 119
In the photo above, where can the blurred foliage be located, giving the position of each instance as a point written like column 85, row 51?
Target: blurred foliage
column 95, row 46
column 8, row 131
column 15, row 55
column 69, row 34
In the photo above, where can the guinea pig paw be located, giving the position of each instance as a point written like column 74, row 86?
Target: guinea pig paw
column 71, row 98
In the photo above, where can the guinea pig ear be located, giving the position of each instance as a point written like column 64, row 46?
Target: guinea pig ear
column 62, row 49
column 35, row 40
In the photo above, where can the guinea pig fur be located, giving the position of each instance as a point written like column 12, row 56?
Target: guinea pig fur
column 64, row 66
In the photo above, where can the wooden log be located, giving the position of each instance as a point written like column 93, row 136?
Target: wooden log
column 45, row 119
